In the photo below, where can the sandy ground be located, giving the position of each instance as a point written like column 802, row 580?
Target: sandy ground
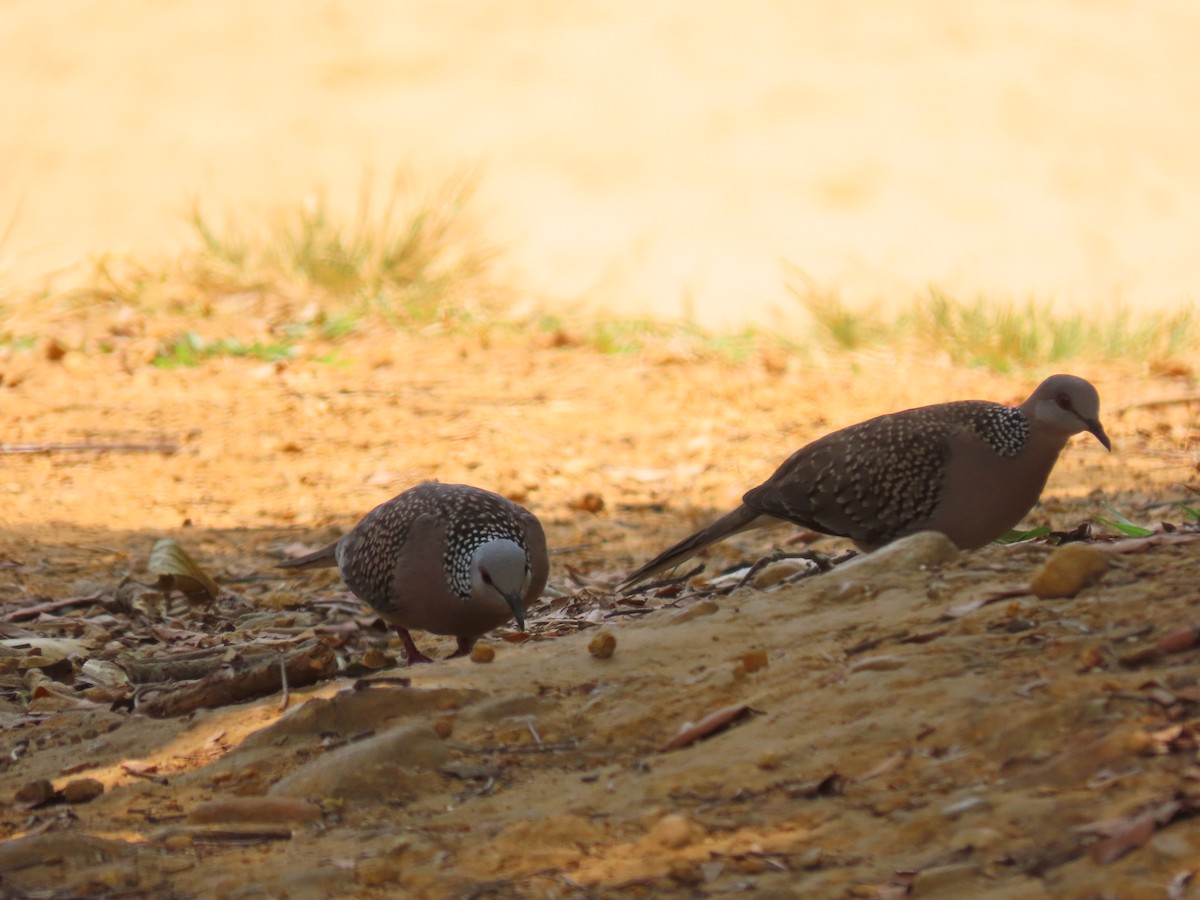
column 917, row 726
column 670, row 159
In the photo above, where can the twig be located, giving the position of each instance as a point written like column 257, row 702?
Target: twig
column 287, row 694
column 32, row 612
column 1158, row 404
column 232, row 836
column 666, row 582
column 148, row 776
column 821, row 560
column 536, row 737
column 396, row 680
column 639, row 611
column 479, row 791
column 90, row 447
column 556, row 747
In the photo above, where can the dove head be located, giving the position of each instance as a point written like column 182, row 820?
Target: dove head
column 500, row 571
column 1066, row 404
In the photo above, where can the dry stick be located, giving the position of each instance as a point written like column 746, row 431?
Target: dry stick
column 234, row 836
column 180, row 666
column 243, row 680
column 821, row 560
column 287, row 694
column 89, row 447
column 665, row 582
column 1158, row 404
column 32, row 612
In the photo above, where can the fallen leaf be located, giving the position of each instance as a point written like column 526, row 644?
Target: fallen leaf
column 709, row 725
column 177, row 571
column 1132, row 832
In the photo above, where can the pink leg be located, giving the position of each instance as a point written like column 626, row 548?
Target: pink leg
column 464, row 647
column 411, row 653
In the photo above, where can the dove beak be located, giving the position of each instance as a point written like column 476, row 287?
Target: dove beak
column 1095, row 428
column 515, row 603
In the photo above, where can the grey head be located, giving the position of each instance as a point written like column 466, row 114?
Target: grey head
column 500, row 570
column 1066, row 404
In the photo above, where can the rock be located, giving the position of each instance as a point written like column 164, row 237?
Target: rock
column 394, row 767
column 261, row 810
column 673, row 831
column 925, row 548
column 779, row 571
column 81, row 790
column 34, row 793
column 703, row 608
column 1069, row 570
column 350, row 712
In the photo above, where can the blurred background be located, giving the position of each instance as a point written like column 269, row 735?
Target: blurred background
column 687, row 159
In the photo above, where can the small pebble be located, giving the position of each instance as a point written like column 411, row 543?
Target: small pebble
column 374, row 658
column 482, row 653
column 603, row 645
column 81, row 790
column 35, row 793
column 673, row 831
column 378, row 870
column 769, row 761
column 178, row 841
column 754, row 660
column 1069, row 569
column 685, row 873
column 778, row 572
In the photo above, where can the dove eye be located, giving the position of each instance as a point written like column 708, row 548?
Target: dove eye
column 1063, row 401
column 487, row 578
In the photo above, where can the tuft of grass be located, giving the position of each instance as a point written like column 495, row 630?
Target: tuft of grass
column 621, row 337
column 999, row 336
column 409, row 260
column 837, row 324
column 1191, row 512
column 18, row 343
column 189, row 349
column 403, row 257
column 629, row 337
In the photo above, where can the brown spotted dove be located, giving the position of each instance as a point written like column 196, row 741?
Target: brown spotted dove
column 970, row 469
column 445, row 558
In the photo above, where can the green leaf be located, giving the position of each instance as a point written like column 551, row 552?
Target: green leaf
column 1190, row 511
column 1119, row 523
column 1015, row 536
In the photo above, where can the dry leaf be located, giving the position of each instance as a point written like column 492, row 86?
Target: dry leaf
column 177, row 571
column 709, row 725
column 1132, row 832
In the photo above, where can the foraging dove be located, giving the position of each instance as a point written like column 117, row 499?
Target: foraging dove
column 970, row 469
column 445, row 558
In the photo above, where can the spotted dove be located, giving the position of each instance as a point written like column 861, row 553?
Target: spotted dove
column 445, row 558
column 970, row 469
